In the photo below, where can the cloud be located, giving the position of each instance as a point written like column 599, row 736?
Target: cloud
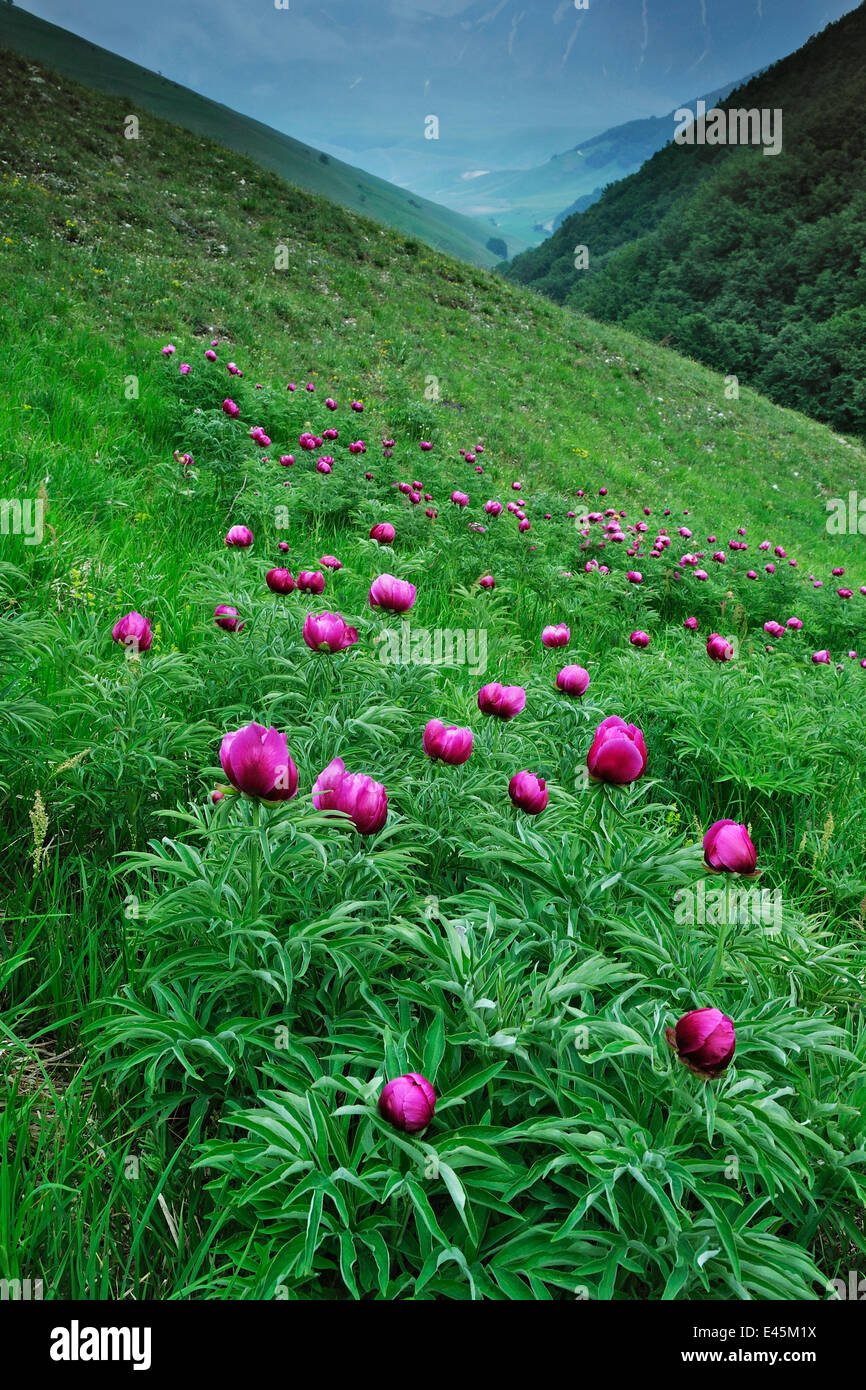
column 491, row 14
column 514, row 23
column 570, row 45
column 440, row 9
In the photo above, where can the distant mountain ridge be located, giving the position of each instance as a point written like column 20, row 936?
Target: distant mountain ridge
column 530, row 203
column 628, row 146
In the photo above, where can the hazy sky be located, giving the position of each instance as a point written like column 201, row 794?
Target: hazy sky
column 512, row 81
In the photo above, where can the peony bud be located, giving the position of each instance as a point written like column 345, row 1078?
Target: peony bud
column 239, row 537
column 227, row 618
column 408, row 1102
column 448, row 742
column 311, row 582
column 727, row 847
column 718, row 649
column 704, row 1040
column 133, row 631
column 556, row 636
column 528, row 792
column 279, row 581
column 502, row 701
column 572, row 680
column 353, row 793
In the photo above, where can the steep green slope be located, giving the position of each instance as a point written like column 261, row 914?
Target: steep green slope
column 200, row 1002
column 295, row 162
column 752, row 264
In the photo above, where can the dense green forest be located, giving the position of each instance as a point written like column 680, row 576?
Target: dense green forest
column 752, row 264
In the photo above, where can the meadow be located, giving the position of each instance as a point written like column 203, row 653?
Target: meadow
column 204, row 996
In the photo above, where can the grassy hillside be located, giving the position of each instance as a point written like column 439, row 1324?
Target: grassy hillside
column 295, row 162
column 201, row 1001
column 752, row 264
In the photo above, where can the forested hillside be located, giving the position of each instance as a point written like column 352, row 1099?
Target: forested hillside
column 752, row 264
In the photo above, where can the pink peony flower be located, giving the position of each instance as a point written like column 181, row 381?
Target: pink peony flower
column 133, row 631
column 408, row 1102
column 572, row 680
column 394, row 595
column 727, row 846
column 279, row 581
column 718, row 649
column 528, row 792
column 311, row 582
column 618, row 753
column 328, row 632
column 239, row 537
column 257, row 763
column 502, row 701
column 448, row 742
column 227, row 618
column 354, row 794
column 704, row 1040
